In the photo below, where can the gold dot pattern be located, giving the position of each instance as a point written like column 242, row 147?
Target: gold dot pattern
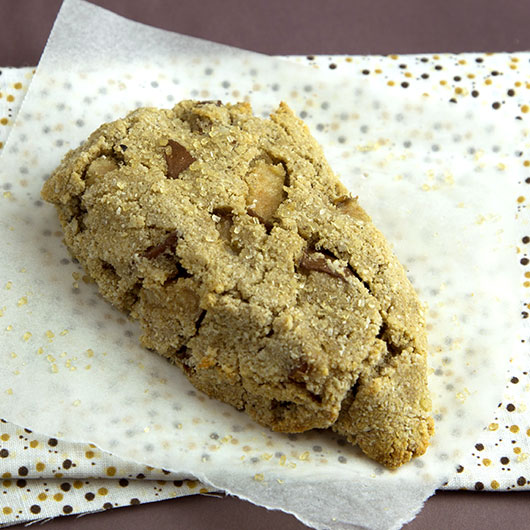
column 53, row 474
column 14, row 83
column 53, row 481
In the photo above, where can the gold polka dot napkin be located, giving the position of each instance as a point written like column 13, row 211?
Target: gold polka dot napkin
column 45, row 477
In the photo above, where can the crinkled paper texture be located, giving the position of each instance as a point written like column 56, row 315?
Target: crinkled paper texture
column 72, row 365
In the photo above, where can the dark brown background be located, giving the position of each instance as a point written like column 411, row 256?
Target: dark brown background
column 300, row 27
column 297, row 26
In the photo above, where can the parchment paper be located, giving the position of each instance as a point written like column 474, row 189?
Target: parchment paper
column 427, row 174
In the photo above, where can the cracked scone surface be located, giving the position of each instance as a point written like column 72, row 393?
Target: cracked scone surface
column 248, row 264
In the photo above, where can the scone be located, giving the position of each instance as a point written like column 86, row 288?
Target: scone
column 248, row 264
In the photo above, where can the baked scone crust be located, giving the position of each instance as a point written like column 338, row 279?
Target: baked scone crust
column 249, row 265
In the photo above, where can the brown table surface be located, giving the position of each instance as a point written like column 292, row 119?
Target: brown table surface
column 300, row 27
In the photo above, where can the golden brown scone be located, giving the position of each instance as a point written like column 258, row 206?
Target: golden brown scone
column 248, row 264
